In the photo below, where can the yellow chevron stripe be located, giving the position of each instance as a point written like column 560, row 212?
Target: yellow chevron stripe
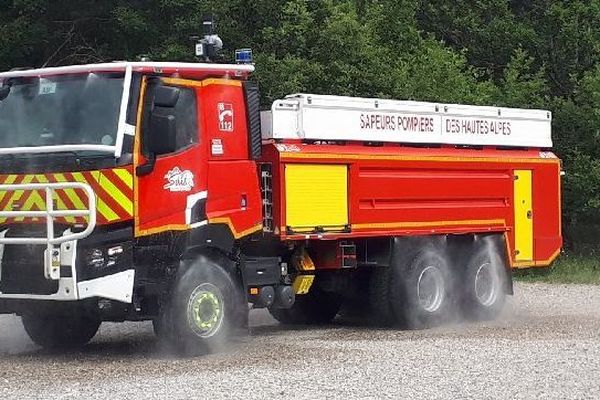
column 79, row 177
column 116, row 194
column 106, row 211
column 18, row 194
column 101, row 206
column 71, row 194
column 9, row 179
column 33, row 199
column 38, row 200
column 125, row 176
column 59, row 203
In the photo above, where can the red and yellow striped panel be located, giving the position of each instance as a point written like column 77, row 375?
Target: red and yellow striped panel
column 113, row 189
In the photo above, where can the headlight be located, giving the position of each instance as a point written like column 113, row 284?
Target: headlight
column 100, row 258
column 113, row 253
column 95, row 258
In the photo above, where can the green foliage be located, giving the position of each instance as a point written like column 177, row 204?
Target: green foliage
column 569, row 268
column 582, row 185
column 521, row 84
column 487, row 30
column 536, row 53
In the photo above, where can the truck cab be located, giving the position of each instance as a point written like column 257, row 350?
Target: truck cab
column 110, row 173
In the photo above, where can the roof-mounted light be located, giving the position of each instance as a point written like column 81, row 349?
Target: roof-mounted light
column 243, row 56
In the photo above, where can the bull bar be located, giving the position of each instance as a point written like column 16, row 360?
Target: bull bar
column 51, row 257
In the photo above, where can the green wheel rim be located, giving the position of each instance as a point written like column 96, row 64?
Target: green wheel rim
column 205, row 310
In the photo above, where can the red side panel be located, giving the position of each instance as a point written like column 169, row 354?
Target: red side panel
column 234, row 196
column 224, row 115
column 422, row 195
column 233, row 185
column 395, row 190
column 547, row 235
column 162, row 196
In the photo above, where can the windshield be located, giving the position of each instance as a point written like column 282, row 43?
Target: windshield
column 78, row 109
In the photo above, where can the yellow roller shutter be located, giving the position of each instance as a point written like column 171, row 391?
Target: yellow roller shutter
column 316, row 197
column 523, row 216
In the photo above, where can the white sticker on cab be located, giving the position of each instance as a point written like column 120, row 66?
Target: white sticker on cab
column 179, row 181
column 46, row 87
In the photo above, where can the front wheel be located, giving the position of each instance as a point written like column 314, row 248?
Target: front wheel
column 54, row 330
column 204, row 309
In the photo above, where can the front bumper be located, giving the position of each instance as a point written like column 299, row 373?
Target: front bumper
column 21, row 275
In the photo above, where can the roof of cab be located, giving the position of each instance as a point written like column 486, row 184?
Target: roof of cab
column 164, row 68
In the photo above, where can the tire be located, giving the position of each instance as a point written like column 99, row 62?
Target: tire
column 421, row 289
column 60, row 331
column 157, row 327
column 484, row 284
column 204, row 310
column 379, row 297
column 317, row 307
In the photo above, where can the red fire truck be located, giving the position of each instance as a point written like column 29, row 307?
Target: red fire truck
column 158, row 191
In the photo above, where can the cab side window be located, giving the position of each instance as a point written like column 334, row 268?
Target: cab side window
column 170, row 124
column 186, row 115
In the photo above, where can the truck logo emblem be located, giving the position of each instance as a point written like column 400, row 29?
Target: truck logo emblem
column 179, row 181
column 225, row 117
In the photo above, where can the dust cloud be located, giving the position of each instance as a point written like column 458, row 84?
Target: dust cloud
column 13, row 338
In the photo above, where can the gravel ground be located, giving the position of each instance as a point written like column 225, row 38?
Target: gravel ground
column 546, row 345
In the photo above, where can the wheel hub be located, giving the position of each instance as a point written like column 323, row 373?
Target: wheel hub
column 486, row 284
column 430, row 288
column 205, row 310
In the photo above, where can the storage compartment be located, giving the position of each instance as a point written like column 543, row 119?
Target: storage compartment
column 523, row 216
column 316, row 197
column 261, row 271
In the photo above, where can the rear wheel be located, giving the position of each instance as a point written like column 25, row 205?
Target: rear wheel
column 205, row 309
column 484, row 292
column 315, row 307
column 57, row 330
column 420, row 294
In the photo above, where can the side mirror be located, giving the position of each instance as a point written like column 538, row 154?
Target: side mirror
column 161, row 129
column 4, row 92
column 166, row 96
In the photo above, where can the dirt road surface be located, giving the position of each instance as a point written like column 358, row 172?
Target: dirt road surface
column 546, row 345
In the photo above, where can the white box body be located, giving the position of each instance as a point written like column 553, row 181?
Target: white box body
column 338, row 118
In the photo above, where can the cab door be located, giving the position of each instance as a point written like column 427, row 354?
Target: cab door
column 170, row 187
